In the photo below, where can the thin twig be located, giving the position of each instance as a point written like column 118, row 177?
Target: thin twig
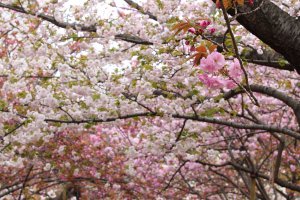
column 173, row 176
column 25, row 180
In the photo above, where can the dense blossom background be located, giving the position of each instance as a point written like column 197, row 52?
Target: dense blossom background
column 113, row 100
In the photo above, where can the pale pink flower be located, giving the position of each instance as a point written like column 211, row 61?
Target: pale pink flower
column 208, row 65
column 218, row 58
column 211, row 82
column 192, row 30
column 229, row 84
column 213, row 62
column 134, row 61
column 8, row 41
column 235, row 70
column 293, row 168
column 121, row 14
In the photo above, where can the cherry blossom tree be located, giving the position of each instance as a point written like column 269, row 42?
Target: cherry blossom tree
column 149, row 99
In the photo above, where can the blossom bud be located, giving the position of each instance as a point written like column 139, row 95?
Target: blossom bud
column 192, row 30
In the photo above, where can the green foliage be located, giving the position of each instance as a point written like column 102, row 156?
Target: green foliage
column 160, row 4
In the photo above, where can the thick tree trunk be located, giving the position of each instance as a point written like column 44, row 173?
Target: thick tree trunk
column 274, row 27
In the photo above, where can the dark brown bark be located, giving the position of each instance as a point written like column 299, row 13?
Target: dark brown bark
column 274, row 27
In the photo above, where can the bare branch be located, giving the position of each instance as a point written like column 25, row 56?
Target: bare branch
column 173, row 176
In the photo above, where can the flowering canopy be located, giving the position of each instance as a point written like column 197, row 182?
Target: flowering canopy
column 149, row 100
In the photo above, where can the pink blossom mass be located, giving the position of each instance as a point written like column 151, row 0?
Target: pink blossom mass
column 213, row 62
column 156, row 99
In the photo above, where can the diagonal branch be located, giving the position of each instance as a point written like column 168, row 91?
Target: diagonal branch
column 237, row 166
column 25, row 180
column 173, row 176
column 268, row 128
column 270, row 63
column 140, row 9
column 75, row 26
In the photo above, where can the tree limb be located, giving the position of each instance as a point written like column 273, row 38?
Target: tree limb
column 274, row 27
column 269, row 128
column 140, row 9
column 291, row 102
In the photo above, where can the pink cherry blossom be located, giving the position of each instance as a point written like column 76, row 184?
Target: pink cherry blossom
column 208, row 65
column 212, row 30
column 229, row 84
column 293, row 168
column 213, row 62
column 204, row 23
column 100, row 100
column 218, row 59
column 192, row 30
column 210, row 81
column 235, row 70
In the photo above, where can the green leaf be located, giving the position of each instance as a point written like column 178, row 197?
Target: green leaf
column 22, row 94
column 3, row 104
column 282, row 62
column 210, row 112
column 172, row 20
column 96, row 96
column 160, row 4
column 148, row 67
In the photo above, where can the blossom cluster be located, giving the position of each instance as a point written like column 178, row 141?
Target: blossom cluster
column 219, row 74
column 112, row 107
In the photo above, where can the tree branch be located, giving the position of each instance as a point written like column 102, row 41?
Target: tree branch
column 25, row 180
column 278, row 159
column 140, row 9
column 74, row 26
column 291, row 102
column 280, row 182
column 269, row 128
column 274, row 27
